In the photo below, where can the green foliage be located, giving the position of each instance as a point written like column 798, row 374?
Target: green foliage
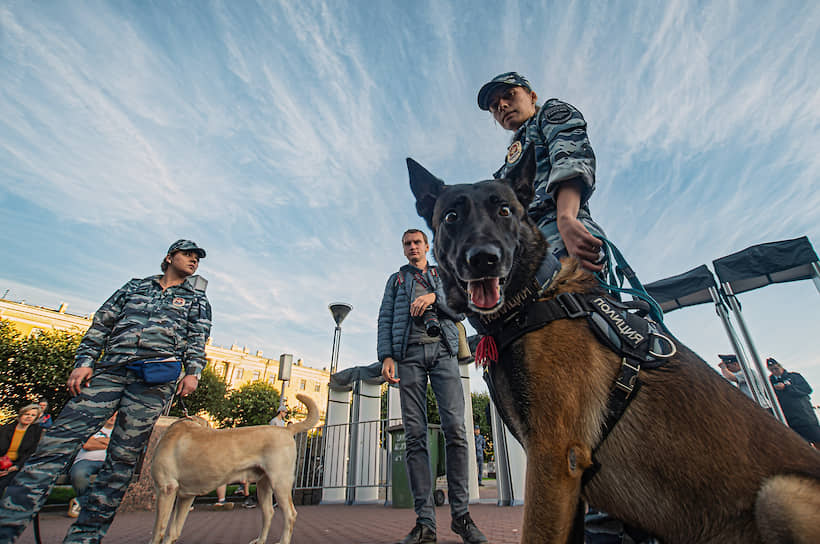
column 254, row 403
column 432, row 407
column 481, row 402
column 35, row 366
column 209, row 396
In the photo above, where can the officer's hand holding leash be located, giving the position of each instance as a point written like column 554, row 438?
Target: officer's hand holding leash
column 187, row 385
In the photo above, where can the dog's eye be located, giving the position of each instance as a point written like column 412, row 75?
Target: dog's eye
column 504, row 211
column 450, row 217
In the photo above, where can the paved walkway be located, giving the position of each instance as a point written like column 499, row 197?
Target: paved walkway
column 326, row 524
column 331, row 524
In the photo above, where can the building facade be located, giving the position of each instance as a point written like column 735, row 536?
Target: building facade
column 235, row 364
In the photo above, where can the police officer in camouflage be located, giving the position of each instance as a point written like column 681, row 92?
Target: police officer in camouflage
column 564, row 181
column 565, row 172
column 165, row 317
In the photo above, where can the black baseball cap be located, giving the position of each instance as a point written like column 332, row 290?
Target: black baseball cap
column 186, row 245
column 771, row 361
column 731, row 358
column 507, row 79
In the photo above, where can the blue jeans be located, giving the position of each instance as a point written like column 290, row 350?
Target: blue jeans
column 433, row 360
column 80, row 474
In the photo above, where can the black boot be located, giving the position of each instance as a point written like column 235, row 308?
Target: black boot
column 464, row 526
column 421, row 534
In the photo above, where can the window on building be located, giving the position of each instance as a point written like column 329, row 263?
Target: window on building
column 302, row 385
column 239, row 373
column 271, row 379
column 317, row 387
column 256, row 375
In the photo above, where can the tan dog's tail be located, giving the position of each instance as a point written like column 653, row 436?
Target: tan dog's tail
column 312, row 416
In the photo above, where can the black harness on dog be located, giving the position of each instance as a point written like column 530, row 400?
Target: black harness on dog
column 622, row 326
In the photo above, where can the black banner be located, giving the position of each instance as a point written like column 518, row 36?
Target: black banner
column 687, row 289
column 760, row 265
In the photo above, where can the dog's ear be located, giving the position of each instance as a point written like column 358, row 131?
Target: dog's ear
column 426, row 187
column 522, row 177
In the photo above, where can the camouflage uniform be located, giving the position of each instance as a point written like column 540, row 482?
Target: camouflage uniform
column 562, row 153
column 139, row 321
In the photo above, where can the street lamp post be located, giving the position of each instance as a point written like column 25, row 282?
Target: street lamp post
column 339, row 310
column 285, row 365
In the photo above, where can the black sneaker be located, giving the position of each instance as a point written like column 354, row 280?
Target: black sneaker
column 249, row 502
column 421, row 534
column 464, row 527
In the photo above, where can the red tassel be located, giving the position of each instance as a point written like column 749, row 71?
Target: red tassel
column 486, row 352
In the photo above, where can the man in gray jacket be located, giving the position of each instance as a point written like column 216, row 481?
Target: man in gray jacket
column 417, row 338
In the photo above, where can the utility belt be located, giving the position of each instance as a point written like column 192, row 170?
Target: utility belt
column 154, row 371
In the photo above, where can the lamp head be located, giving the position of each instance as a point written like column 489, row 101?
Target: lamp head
column 339, row 310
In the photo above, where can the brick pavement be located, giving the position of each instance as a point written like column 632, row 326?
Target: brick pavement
column 330, row 524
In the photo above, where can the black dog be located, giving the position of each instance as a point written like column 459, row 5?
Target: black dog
column 658, row 440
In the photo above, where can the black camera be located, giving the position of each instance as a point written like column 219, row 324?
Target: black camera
column 431, row 323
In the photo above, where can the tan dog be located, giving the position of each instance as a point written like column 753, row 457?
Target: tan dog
column 192, row 459
column 691, row 459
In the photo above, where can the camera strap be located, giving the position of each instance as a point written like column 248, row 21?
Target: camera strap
column 422, row 280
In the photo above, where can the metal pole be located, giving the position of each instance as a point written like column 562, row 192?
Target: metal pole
column 352, row 446
column 721, row 310
column 816, row 267
column 732, row 300
column 502, row 460
column 334, row 358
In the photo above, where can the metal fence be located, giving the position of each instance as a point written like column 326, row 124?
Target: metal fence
column 348, row 456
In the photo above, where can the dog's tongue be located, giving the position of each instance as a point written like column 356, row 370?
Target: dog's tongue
column 484, row 293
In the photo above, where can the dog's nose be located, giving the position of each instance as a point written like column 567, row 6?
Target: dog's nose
column 484, row 258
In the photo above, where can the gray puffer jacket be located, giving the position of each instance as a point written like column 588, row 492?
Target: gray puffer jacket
column 394, row 313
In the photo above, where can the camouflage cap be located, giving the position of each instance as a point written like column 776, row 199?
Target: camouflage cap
column 508, row 79
column 186, row 245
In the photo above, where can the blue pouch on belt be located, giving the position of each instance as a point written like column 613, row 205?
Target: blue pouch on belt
column 157, row 371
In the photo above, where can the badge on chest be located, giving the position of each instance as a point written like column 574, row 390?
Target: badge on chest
column 514, row 152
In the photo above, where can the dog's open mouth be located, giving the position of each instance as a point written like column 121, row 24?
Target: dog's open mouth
column 485, row 294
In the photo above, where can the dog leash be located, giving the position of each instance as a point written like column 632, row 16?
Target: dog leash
column 622, row 271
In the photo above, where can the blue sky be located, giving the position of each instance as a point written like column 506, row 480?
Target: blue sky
column 274, row 134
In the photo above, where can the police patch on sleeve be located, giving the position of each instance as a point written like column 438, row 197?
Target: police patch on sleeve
column 560, row 113
column 514, row 152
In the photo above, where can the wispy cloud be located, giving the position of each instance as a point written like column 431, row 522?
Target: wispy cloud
column 275, row 134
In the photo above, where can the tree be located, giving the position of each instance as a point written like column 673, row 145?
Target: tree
column 209, row 396
column 254, row 403
column 35, row 366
